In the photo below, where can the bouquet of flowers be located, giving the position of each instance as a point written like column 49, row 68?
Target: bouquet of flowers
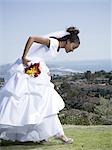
column 33, row 70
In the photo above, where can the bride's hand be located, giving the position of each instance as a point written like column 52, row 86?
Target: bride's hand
column 25, row 61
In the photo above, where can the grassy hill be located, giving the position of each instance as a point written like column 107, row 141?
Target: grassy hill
column 85, row 138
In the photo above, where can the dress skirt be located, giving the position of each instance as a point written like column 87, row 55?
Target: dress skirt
column 29, row 106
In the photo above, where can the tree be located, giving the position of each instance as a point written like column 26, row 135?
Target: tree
column 104, row 109
column 110, row 80
column 88, row 75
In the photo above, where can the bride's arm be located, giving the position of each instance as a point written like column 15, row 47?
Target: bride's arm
column 29, row 43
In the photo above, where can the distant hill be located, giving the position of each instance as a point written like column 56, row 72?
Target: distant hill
column 4, row 70
column 82, row 66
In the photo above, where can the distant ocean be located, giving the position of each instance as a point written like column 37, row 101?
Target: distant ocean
column 67, row 67
column 81, row 66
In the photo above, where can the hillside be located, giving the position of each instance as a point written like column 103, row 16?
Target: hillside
column 88, row 97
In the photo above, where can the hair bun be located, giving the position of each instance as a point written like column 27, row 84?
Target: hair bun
column 73, row 30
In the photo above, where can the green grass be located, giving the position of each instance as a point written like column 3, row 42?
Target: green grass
column 85, row 138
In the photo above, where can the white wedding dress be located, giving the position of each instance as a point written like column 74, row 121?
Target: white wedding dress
column 28, row 105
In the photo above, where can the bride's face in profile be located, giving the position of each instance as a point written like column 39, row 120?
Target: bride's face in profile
column 70, row 46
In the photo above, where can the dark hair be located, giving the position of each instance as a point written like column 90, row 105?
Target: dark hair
column 72, row 35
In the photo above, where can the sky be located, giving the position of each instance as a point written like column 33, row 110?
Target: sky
column 20, row 19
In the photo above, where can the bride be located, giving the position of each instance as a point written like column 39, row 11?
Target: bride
column 29, row 104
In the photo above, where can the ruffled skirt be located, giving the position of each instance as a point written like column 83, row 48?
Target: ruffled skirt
column 29, row 107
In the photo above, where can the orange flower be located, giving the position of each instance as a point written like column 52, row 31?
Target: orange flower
column 33, row 70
